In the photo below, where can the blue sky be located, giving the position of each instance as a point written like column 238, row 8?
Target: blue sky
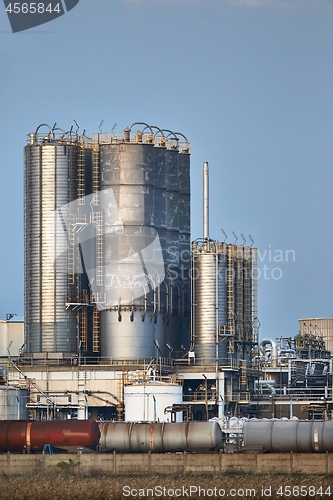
column 249, row 82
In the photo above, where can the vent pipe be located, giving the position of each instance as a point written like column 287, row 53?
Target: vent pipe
column 205, row 200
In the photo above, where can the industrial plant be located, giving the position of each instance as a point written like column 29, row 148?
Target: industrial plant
column 130, row 323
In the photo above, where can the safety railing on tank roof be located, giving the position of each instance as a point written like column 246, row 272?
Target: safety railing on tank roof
column 59, row 138
column 146, row 376
column 139, row 138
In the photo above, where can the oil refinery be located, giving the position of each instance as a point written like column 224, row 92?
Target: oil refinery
column 129, row 323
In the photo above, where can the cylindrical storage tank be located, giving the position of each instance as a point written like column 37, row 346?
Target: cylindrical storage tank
column 142, row 437
column 50, row 183
column 160, row 218
column 222, row 300
column 290, row 435
column 127, row 335
column 146, row 402
column 185, row 243
column 33, row 435
column 172, row 255
column 13, row 403
column 139, row 204
column 127, row 173
column 205, row 301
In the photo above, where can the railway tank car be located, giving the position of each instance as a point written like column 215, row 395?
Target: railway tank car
column 33, row 435
column 142, row 437
column 289, row 435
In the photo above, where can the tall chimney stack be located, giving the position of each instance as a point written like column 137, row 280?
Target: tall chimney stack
column 205, row 200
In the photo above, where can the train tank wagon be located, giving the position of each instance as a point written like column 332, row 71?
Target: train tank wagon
column 283, row 436
column 142, row 437
column 32, row 436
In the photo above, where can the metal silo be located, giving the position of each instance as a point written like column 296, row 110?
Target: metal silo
column 209, row 301
column 143, row 299
column 208, row 291
column 223, row 297
column 50, row 183
column 131, row 292
column 185, row 239
column 223, row 300
column 172, row 255
column 146, row 401
column 160, row 224
column 205, row 300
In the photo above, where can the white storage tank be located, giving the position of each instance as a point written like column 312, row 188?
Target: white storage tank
column 13, row 403
column 145, row 402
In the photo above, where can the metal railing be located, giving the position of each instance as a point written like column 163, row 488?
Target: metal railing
column 81, row 360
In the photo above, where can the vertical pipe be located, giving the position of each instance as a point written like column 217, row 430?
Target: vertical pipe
column 18, row 408
column 206, row 395
column 155, row 414
column 217, row 324
column 205, row 200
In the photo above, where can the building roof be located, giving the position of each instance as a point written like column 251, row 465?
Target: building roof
column 15, row 318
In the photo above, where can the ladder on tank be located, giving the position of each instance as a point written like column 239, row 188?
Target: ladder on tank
column 95, row 329
column 83, row 328
column 81, row 176
column 96, row 218
column 81, row 382
column 243, row 373
column 120, row 387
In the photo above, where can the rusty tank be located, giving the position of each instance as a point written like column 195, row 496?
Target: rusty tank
column 31, row 436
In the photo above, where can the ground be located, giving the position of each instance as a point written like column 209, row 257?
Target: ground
column 66, row 483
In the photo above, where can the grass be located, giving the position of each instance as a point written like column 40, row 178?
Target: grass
column 67, row 483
